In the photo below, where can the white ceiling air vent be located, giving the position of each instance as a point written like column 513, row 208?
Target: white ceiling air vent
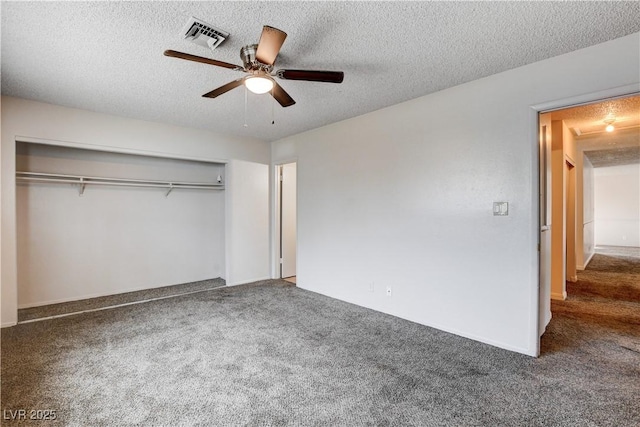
column 203, row 34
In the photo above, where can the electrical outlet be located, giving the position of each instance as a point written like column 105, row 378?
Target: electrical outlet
column 388, row 291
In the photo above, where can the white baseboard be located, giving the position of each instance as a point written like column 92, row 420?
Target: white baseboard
column 523, row 350
column 244, row 282
column 8, row 324
column 586, row 263
column 559, row 296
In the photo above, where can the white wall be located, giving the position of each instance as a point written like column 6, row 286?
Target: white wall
column 29, row 120
column 402, row 198
column 113, row 239
column 588, row 212
column 247, row 222
column 617, row 205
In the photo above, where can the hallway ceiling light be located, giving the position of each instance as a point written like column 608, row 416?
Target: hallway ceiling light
column 609, row 122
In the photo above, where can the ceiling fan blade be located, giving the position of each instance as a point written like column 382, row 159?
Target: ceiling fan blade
column 224, row 88
column 281, row 95
column 189, row 57
column 269, row 45
column 311, row 75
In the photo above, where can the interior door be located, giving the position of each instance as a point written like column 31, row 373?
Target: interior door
column 545, row 222
column 288, row 228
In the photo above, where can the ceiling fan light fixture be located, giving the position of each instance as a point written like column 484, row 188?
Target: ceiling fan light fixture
column 258, row 61
column 609, row 128
column 258, row 84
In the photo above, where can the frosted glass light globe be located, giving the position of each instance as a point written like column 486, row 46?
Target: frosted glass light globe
column 258, row 84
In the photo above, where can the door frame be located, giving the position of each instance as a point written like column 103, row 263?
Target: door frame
column 570, row 224
column 534, row 129
column 276, row 215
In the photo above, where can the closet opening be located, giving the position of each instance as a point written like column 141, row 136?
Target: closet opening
column 94, row 223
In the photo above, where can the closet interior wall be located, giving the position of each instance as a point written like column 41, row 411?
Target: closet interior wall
column 114, row 239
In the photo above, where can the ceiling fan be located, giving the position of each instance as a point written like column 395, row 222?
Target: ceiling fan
column 258, row 60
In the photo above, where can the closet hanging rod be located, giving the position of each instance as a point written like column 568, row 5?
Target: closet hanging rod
column 126, row 184
column 80, row 179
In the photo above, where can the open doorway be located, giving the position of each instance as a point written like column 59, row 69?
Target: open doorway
column 287, row 221
column 576, row 143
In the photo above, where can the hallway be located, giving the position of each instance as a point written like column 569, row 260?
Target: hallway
column 601, row 315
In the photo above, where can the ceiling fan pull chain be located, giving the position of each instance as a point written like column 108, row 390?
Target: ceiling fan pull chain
column 273, row 101
column 245, row 106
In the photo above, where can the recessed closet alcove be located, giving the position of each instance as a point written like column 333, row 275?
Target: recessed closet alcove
column 93, row 223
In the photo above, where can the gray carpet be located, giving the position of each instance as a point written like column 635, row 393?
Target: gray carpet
column 272, row 354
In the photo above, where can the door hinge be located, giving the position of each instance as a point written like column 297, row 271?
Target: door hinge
column 281, row 260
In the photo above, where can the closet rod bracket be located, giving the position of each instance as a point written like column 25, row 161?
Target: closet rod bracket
column 170, row 189
column 82, row 185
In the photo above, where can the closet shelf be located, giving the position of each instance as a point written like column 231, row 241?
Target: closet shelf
column 82, row 181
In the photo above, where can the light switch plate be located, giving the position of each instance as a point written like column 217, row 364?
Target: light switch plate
column 500, row 208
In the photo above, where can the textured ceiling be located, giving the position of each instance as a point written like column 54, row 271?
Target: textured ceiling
column 592, row 118
column 614, row 157
column 620, row 147
column 107, row 56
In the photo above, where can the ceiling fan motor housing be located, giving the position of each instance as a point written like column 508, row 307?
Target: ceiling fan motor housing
column 248, row 56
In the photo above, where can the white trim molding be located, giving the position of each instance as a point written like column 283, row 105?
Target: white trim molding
column 559, row 297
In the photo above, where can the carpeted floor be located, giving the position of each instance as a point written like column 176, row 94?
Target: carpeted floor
column 607, row 294
column 272, row 354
